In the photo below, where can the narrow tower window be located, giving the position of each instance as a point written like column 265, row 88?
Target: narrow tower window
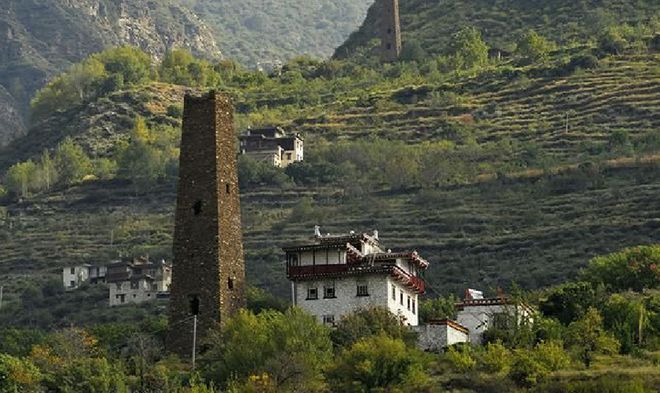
column 228, row 188
column 230, row 283
column 194, row 305
column 197, row 208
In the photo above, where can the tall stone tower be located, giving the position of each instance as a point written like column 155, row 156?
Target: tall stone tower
column 390, row 36
column 208, row 275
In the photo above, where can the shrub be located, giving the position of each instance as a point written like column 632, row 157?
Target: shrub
column 533, row 47
column 587, row 336
column 526, row 370
column 635, row 268
column 175, row 111
column 552, row 355
column 612, row 42
column 496, row 358
column 291, row 347
column 460, row 356
column 468, row 48
column 370, row 322
column 71, row 162
column 18, row 375
column 378, row 363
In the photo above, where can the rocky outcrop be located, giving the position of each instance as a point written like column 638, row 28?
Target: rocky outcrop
column 11, row 123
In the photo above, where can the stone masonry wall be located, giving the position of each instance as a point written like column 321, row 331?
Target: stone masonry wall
column 390, row 31
column 209, row 268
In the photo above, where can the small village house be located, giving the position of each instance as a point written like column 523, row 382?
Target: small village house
column 478, row 314
column 138, row 281
column 273, row 146
column 75, row 276
column 475, row 315
column 334, row 275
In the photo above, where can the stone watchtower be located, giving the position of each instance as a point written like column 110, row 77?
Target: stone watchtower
column 208, row 275
column 390, row 36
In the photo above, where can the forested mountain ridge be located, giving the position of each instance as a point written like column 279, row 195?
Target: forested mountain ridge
column 433, row 23
column 41, row 39
column 253, row 31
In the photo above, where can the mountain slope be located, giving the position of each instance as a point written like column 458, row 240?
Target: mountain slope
column 432, row 23
column 254, row 31
column 537, row 226
column 39, row 39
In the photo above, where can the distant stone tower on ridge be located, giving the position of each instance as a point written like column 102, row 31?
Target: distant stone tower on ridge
column 208, row 274
column 390, row 36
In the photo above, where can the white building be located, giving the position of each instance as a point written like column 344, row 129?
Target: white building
column 334, row 275
column 273, row 146
column 74, row 276
column 138, row 281
column 478, row 314
column 437, row 335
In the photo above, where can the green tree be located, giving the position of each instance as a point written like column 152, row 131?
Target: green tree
column 21, row 178
column 461, row 358
column 105, row 168
column 253, row 173
column 526, row 369
column 635, row 268
column 532, row 47
column 291, row 348
column 19, row 342
column 71, row 162
column 72, row 88
column 468, row 48
column 376, row 363
column 628, row 318
column 495, row 359
column 174, row 67
column 587, row 336
column 370, row 322
column 180, row 67
column 612, row 41
column 569, row 302
column 141, row 161
column 438, row 308
column 412, row 51
column 551, row 355
column 131, row 63
column 18, row 375
column 90, row 375
column 47, row 170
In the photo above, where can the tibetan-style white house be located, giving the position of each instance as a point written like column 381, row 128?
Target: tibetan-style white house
column 478, row 314
column 334, row 275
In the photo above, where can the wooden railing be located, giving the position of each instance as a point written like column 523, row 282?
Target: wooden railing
column 298, row 271
column 417, row 283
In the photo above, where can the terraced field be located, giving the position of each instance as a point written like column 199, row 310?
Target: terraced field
column 537, row 227
column 535, row 231
column 595, row 103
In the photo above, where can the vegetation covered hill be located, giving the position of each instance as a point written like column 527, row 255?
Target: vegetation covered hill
column 38, row 40
column 253, row 31
column 473, row 168
column 433, row 23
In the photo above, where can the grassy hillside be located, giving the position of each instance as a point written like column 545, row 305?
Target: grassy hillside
column 581, row 193
column 502, row 22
